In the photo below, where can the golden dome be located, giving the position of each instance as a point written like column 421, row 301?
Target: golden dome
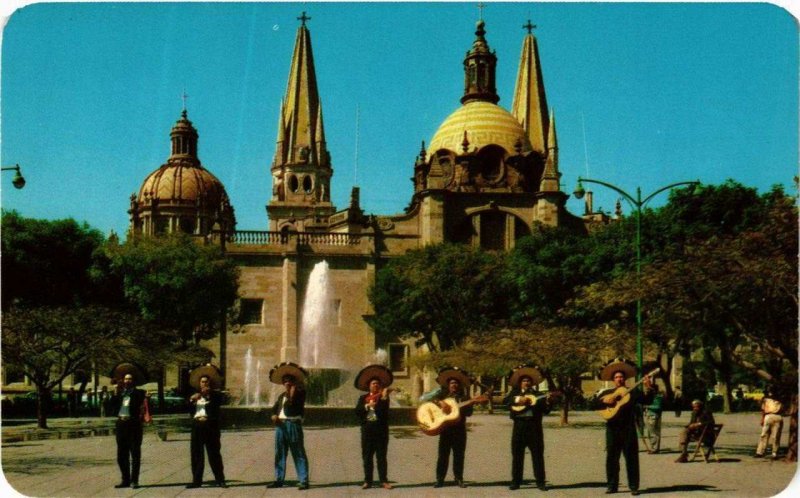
column 182, row 183
column 485, row 124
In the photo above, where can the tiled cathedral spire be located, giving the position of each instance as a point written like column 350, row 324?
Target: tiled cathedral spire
column 301, row 138
column 301, row 170
column 530, row 102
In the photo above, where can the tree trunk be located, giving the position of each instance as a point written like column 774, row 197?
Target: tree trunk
column 724, row 368
column 727, row 399
column 565, row 410
column 160, row 387
column 41, row 412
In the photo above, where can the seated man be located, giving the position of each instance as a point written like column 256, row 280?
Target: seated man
column 701, row 418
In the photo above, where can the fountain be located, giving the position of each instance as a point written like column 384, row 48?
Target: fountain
column 251, row 395
column 248, row 363
column 330, row 394
column 320, row 350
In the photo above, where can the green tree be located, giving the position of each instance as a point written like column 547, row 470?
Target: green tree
column 564, row 355
column 438, row 295
column 544, row 269
column 177, row 283
column 729, row 293
column 49, row 343
column 47, row 262
column 58, row 314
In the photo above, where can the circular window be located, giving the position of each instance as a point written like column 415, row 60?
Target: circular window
column 492, row 163
column 293, row 183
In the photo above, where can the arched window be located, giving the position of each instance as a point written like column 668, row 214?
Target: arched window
column 492, row 163
column 186, row 225
column 293, row 183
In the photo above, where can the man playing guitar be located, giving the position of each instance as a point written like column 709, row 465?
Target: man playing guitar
column 453, row 438
column 526, row 410
column 621, row 435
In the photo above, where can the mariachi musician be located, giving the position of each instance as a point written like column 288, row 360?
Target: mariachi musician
column 453, row 438
column 204, row 408
column 621, row 435
column 287, row 415
column 372, row 410
column 129, row 405
column 526, row 410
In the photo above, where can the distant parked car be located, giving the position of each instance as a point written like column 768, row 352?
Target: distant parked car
column 24, row 405
column 174, row 402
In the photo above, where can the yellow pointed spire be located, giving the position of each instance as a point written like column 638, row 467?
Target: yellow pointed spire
column 300, row 113
column 301, row 171
column 550, row 176
column 530, row 102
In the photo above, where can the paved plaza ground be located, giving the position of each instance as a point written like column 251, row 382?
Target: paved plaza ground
column 574, row 455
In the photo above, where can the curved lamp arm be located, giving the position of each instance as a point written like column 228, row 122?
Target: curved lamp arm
column 647, row 199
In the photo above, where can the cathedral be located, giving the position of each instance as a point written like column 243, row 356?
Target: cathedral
column 485, row 178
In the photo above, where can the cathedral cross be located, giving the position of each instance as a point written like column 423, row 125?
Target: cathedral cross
column 481, row 5
column 303, row 18
column 184, row 97
column 530, row 27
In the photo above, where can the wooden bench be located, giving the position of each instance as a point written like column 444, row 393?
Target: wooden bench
column 702, row 448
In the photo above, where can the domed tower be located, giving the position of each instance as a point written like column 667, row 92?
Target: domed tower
column 484, row 169
column 301, row 169
column 181, row 195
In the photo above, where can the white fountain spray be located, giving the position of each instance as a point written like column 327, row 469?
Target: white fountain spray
column 248, row 364
column 257, row 395
column 318, row 347
column 380, row 356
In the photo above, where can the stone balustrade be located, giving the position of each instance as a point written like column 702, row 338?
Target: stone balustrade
column 257, row 237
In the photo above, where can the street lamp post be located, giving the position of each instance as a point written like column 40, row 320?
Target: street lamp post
column 637, row 204
column 18, row 180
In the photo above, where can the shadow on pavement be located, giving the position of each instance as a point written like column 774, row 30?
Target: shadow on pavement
column 592, row 484
column 680, row 488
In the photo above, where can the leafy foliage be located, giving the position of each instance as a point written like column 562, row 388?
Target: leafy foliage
column 177, row 283
column 47, row 262
column 439, row 295
column 726, row 287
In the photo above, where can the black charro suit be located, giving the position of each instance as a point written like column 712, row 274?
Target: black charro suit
column 374, row 437
column 527, row 434
column 129, row 432
column 206, row 434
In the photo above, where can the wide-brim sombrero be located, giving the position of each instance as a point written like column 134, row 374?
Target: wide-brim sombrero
column 213, row 373
column 287, row 368
column 521, row 371
column 618, row 365
column 447, row 373
column 119, row 372
column 365, row 376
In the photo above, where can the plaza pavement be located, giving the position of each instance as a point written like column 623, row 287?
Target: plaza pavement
column 574, row 458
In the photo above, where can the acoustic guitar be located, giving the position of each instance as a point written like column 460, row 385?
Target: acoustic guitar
column 534, row 399
column 617, row 398
column 432, row 419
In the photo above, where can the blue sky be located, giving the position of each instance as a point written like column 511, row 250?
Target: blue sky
column 644, row 94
